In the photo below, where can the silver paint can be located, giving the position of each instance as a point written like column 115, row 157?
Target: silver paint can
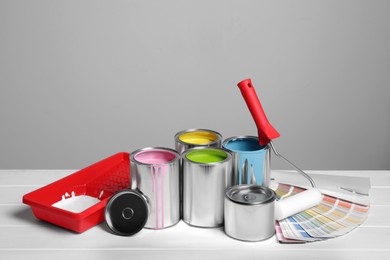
column 155, row 173
column 206, row 175
column 250, row 212
column 191, row 138
column 251, row 161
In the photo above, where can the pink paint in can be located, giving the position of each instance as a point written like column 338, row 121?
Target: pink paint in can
column 155, row 172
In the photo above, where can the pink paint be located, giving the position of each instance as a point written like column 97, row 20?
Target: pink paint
column 158, row 175
column 155, row 157
column 158, row 159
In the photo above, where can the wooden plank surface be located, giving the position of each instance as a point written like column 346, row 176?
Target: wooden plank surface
column 22, row 235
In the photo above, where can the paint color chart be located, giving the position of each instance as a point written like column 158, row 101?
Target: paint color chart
column 331, row 218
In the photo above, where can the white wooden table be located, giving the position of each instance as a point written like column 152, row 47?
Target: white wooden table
column 22, row 236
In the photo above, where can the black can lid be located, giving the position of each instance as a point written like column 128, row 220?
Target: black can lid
column 126, row 212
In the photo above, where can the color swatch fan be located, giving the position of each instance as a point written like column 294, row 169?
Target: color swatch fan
column 331, row 218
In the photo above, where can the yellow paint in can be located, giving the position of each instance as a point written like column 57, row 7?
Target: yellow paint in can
column 198, row 137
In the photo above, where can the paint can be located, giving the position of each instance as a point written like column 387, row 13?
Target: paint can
column 250, row 212
column 191, row 138
column 251, row 161
column 126, row 212
column 206, row 175
column 155, row 174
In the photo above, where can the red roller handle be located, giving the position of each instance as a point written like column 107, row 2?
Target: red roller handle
column 266, row 131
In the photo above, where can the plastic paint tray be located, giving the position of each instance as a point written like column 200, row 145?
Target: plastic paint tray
column 99, row 180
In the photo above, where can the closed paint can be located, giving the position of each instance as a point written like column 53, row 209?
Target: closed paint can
column 206, row 175
column 191, row 138
column 250, row 212
column 155, row 174
column 251, row 161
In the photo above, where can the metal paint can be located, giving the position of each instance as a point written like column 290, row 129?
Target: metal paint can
column 191, row 138
column 206, row 175
column 155, row 173
column 250, row 212
column 251, row 161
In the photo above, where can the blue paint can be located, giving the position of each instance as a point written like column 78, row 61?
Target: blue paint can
column 251, row 161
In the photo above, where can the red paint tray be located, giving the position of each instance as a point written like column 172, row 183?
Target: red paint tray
column 99, row 180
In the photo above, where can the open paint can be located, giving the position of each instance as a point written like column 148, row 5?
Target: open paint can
column 251, row 161
column 191, row 138
column 206, row 175
column 250, row 212
column 155, row 174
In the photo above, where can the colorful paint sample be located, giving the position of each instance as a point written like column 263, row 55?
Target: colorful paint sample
column 333, row 217
column 282, row 239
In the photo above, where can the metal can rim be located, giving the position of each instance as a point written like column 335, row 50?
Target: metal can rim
column 175, row 160
column 232, row 190
column 177, row 139
column 233, row 138
column 228, row 157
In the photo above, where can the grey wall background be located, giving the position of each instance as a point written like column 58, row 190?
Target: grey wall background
column 81, row 80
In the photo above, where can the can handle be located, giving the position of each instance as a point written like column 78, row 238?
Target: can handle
column 266, row 131
column 297, row 203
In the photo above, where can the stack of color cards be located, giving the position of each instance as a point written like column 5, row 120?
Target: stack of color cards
column 331, row 218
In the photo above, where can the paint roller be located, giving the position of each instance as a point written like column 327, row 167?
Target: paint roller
column 266, row 133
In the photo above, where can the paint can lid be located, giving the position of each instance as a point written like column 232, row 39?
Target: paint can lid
column 250, row 194
column 126, row 212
